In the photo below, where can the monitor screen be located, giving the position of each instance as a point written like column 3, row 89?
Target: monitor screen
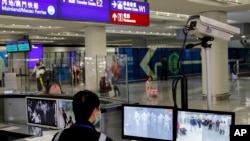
column 23, row 45
column 11, row 46
column 147, row 122
column 203, row 125
column 41, row 112
column 65, row 115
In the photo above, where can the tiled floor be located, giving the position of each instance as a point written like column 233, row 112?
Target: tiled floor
column 239, row 100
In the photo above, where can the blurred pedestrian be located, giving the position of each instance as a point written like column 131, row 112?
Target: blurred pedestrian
column 164, row 68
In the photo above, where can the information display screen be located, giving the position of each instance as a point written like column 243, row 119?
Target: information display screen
column 11, row 46
column 23, row 45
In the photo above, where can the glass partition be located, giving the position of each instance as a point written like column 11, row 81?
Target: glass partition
column 18, row 79
column 70, row 73
column 112, row 77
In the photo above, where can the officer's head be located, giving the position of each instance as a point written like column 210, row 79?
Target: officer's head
column 39, row 63
column 86, row 106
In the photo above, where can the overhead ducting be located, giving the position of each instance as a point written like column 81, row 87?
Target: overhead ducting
column 244, row 28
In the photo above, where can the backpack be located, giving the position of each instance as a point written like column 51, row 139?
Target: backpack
column 46, row 75
column 104, row 85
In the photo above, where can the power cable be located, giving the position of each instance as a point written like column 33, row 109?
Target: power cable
column 176, row 80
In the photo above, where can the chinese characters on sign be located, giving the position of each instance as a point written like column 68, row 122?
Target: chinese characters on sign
column 129, row 12
column 130, row 6
column 104, row 11
column 34, row 8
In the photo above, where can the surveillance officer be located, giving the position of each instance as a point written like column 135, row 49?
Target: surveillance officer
column 86, row 107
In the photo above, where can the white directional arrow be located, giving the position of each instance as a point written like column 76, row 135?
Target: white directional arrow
column 114, row 16
column 144, row 63
column 239, row 108
column 114, row 4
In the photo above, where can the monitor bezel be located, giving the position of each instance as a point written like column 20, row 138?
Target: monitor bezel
column 174, row 121
column 37, row 124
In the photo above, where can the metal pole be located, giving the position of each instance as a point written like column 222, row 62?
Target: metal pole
column 237, row 67
column 184, row 94
column 20, row 75
column 2, row 79
column 207, row 51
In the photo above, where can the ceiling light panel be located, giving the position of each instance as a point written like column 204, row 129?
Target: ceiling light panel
column 16, row 26
column 224, row 3
column 168, row 16
column 67, row 34
column 11, row 32
column 46, row 38
column 141, row 33
column 42, row 41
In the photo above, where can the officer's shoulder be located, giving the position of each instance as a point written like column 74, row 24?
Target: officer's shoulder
column 109, row 139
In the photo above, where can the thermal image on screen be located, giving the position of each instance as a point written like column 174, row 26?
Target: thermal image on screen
column 203, row 126
column 155, row 123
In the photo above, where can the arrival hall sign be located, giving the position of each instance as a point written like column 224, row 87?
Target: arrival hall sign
column 129, row 12
column 102, row 11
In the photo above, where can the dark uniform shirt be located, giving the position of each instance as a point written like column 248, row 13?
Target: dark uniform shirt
column 80, row 132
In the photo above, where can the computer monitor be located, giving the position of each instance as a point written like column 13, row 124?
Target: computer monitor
column 11, row 46
column 23, row 45
column 65, row 114
column 41, row 112
column 204, row 125
column 147, row 122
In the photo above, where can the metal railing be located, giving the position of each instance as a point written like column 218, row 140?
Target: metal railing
column 241, row 69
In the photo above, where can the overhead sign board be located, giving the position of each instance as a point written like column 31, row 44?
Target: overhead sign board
column 129, row 6
column 129, row 12
column 30, row 8
column 129, row 18
column 102, row 11
column 84, row 10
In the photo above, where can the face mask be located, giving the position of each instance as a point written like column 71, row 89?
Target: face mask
column 97, row 121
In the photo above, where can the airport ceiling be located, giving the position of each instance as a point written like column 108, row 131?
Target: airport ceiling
column 166, row 17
